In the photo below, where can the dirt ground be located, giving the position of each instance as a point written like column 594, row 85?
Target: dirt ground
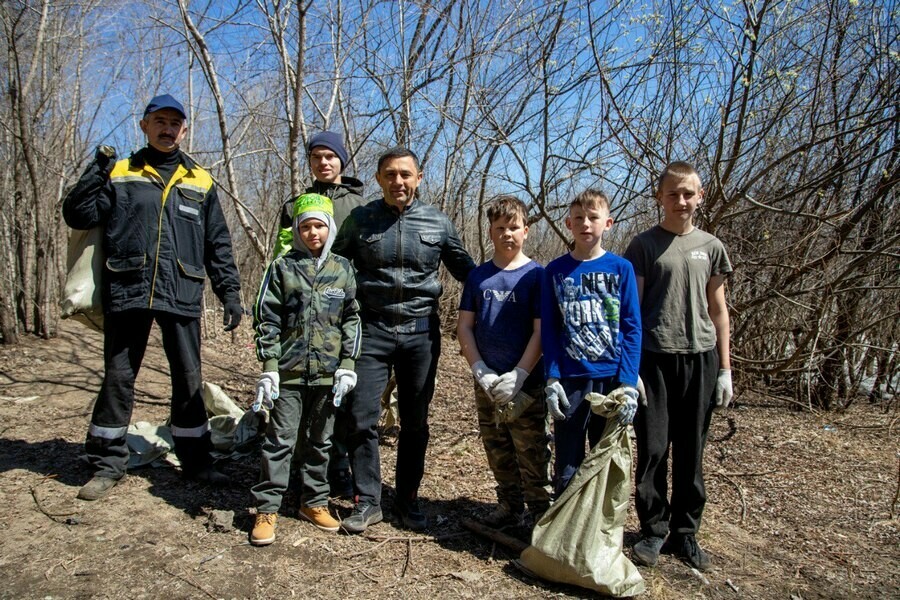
column 800, row 505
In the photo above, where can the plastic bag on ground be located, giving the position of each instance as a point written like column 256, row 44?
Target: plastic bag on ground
column 579, row 539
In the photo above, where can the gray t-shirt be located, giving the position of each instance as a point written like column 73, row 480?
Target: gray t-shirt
column 676, row 269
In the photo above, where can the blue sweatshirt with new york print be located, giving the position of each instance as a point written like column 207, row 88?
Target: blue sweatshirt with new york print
column 591, row 319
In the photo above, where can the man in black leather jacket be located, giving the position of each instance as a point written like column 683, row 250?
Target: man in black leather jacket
column 396, row 244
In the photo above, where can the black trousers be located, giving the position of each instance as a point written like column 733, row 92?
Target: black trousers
column 413, row 358
column 680, row 398
column 125, row 338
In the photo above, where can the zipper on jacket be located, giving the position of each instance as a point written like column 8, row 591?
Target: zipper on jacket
column 179, row 172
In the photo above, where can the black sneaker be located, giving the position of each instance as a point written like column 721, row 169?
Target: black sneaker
column 686, row 548
column 646, row 551
column 341, row 484
column 362, row 516
column 410, row 515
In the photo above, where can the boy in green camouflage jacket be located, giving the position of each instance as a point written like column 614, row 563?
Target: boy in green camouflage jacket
column 308, row 337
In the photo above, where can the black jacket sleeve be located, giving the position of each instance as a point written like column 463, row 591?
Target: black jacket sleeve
column 89, row 202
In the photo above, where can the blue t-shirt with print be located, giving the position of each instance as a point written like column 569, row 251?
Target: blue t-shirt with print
column 505, row 304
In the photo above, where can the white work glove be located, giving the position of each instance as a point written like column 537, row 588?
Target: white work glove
column 642, row 392
column 484, row 376
column 556, row 398
column 629, row 409
column 344, row 382
column 508, row 385
column 724, row 392
column 266, row 391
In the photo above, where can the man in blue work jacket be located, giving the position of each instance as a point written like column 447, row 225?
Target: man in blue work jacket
column 164, row 233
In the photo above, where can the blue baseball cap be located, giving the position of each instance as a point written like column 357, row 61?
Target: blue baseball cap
column 164, row 101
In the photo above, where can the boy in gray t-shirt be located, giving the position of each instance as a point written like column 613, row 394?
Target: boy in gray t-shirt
column 685, row 366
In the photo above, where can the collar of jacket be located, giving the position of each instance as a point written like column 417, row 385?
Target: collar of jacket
column 350, row 184
column 393, row 210
column 138, row 159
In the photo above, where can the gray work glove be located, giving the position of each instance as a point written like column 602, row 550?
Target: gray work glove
column 266, row 391
column 556, row 398
column 642, row 392
column 629, row 399
column 508, row 385
column 724, row 391
column 344, row 382
column 484, row 376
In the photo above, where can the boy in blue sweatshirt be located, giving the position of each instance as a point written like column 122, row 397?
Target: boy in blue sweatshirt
column 590, row 333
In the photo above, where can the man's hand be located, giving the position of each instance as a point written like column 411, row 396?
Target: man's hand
column 233, row 315
column 484, row 376
column 556, row 398
column 508, row 385
column 344, row 382
column 105, row 157
column 724, row 392
column 266, row 391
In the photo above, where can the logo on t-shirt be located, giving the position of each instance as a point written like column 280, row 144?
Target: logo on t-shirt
column 500, row 295
column 699, row 255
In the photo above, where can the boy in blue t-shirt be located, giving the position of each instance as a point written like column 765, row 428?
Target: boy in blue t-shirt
column 499, row 332
column 591, row 332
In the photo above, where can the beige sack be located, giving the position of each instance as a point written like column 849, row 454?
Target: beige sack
column 579, row 539
column 81, row 298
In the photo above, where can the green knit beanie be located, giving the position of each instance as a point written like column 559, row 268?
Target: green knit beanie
column 312, row 203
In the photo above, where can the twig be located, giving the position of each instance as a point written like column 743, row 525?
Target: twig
column 408, row 558
column 746, row 473
column 731, row 585
column 52, row 516
column 511, row 543
column 189, row 582
column 366, row 551
column 740, row 492
column 415, row 538
column 896, row 493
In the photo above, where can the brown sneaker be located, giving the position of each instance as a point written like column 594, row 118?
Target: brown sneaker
column 263, row 532
column 320, row 517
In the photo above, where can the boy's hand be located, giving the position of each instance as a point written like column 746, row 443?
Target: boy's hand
column 629, row 405
column 642, row 392
column 508, row 385
column 266, row 391
column 484, row 376
column 724, row 391
column 344, row 382
column 556, row 398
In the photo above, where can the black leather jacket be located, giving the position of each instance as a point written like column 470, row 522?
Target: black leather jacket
column 397, row 256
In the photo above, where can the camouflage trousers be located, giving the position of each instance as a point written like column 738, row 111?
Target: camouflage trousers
column 518, row 453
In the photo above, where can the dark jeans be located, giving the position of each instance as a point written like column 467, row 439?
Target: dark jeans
column 300, row 425
column 580, row 423
column 680, row 392
column 125, row 338
column 413, row 357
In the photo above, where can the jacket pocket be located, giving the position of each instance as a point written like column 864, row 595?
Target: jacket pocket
column 188, row 205
column 429, row 251
column 126, row 277
column 189, row 286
